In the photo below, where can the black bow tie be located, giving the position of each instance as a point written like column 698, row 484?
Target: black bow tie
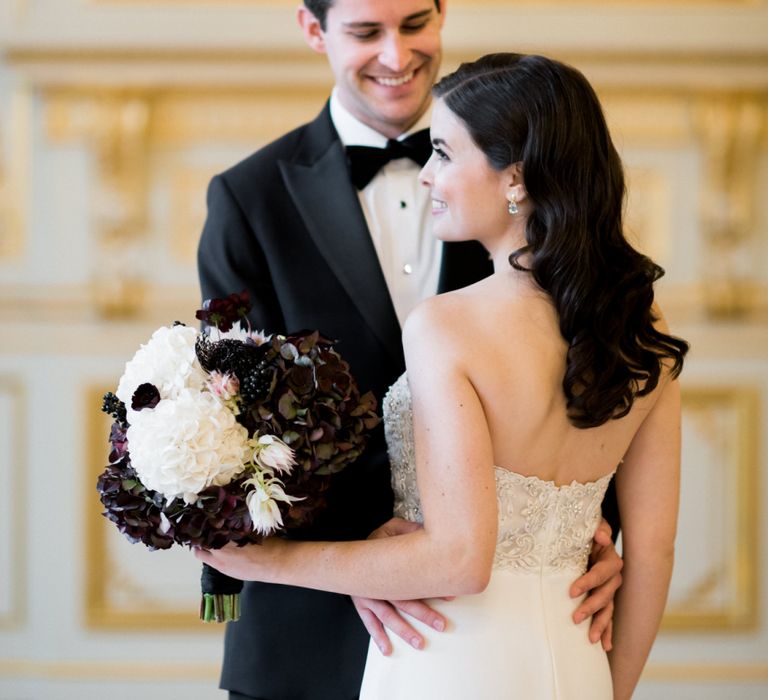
column 366, row 161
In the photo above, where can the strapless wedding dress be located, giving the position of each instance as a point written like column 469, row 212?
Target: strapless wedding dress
column 516, row 639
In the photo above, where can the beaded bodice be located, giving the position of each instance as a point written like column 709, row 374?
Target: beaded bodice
column 542, row 527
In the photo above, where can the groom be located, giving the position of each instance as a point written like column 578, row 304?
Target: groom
column 316, row 251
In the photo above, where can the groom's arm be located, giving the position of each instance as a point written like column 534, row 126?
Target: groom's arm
column 230, row 260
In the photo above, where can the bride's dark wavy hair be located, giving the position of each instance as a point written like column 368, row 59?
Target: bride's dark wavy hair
column 545, row 115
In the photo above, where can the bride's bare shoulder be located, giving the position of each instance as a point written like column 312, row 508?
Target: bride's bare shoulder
column 442, row 324
column 435, row 324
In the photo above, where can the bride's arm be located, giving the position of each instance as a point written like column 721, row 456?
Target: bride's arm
column 648, row 484
column 453, row 553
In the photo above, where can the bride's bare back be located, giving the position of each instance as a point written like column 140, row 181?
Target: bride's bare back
column 505, row 337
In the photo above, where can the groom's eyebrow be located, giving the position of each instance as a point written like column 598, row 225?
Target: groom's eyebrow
column 372, row 25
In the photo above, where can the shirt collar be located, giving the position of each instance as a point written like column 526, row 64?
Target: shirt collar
column 352, row 132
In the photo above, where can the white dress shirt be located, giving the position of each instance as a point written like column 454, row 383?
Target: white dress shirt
column 397, row 209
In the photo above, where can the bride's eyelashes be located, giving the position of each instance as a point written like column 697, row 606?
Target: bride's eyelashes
column 440, row 153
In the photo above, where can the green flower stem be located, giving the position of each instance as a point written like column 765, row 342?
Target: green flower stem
column 220, row 607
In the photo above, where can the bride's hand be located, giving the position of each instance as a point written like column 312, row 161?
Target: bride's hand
column 380, row 615
column 252, row 562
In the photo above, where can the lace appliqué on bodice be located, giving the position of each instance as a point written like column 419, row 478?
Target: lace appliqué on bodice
column 542, row 527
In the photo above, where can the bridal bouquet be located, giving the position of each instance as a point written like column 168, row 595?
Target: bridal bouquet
column 227, row 435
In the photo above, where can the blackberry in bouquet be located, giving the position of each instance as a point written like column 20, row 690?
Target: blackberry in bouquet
column 227, row 435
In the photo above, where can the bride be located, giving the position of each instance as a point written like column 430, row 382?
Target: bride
column 524, row 395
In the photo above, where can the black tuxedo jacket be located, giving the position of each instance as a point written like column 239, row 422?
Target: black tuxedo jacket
column 286, row 225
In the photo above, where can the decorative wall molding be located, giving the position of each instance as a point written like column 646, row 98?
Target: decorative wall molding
column 127, row 128
column 98, row 670
column 14, row 175
column 715, row 583
column 13, row 476
column 94, row 670
column 730, row 133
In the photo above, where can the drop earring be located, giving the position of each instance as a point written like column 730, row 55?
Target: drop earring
column 512, row 208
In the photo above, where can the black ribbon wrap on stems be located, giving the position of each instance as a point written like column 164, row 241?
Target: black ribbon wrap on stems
column 220, row 600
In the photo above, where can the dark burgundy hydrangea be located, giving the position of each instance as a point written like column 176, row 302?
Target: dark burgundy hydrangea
column 220, row 514
column 224, row 313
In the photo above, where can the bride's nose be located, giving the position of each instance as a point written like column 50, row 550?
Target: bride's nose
column 425, row 176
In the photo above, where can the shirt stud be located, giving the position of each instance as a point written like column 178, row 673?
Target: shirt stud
column 407, row 269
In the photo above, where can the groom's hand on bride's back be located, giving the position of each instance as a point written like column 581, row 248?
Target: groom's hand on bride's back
column 378, row 616
column 600, row 583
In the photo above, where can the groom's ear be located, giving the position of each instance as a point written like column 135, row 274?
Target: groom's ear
column 441, row 10
column 311, row 29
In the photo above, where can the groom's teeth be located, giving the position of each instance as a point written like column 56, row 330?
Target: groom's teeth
column 437, row 204
column 394, row 82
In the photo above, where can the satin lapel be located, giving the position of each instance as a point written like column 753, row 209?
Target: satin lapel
column 331, row 212
column 463, row 264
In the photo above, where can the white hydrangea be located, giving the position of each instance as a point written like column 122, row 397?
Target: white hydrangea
column 168, row 361
column 186, row 444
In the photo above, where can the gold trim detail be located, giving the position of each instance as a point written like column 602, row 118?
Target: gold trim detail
column 138, row 671
column 14, row 485
column 730, row 131
column 712, row 673
column 725, row 596
column 14, row 177
column 100, row 670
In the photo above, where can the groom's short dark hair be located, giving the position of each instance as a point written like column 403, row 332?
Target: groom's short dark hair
column 319, row 8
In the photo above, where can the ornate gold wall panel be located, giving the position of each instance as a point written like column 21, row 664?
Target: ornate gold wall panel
column 731, row 132
column 137, row 133
column 717, row 569
column 138, row 138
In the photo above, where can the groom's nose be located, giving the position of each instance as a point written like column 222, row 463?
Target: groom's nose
column 395, row 52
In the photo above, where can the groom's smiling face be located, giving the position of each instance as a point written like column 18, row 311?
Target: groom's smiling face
column 384, row 55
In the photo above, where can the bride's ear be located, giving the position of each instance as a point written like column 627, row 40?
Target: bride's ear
column 516, row 191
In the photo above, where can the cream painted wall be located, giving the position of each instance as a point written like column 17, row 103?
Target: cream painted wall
column 113, row 116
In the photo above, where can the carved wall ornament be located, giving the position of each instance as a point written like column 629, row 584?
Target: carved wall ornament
column 117, row 127
column 730, row 133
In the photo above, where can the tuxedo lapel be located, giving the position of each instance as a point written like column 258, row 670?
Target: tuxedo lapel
column 319, row 185
column 462, row 264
